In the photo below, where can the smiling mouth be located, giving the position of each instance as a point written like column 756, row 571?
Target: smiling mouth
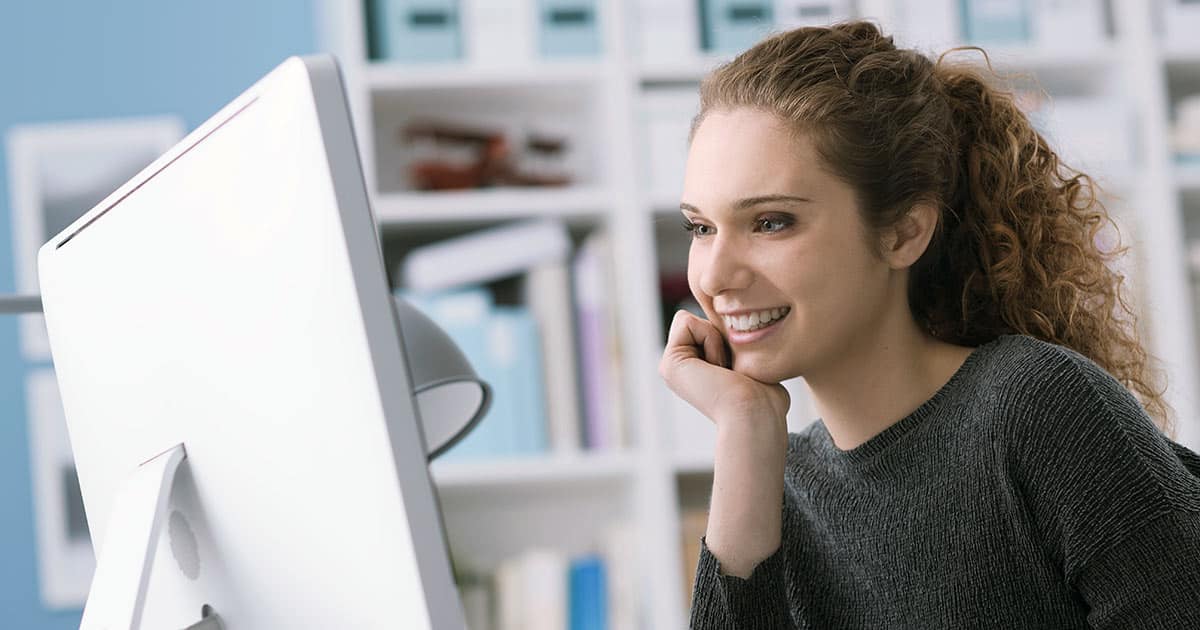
column 756, row 320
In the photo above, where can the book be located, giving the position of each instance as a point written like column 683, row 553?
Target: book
column 502, row 346
column 588, row 603
column 515, row 348
column 531, row 591
column 547, row 292
column 484, row 256
column 549, row 589
column 619, row 550
column 477, row 603
column 537, row 252
column 600, row 372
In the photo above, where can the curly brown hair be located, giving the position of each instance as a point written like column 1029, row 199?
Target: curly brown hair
column 1015, row 249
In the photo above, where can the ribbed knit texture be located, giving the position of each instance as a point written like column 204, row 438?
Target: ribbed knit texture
column 1031, row 491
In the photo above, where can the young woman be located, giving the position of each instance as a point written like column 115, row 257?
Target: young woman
column 991, row 450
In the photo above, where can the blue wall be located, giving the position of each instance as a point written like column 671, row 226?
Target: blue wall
column 101, row 59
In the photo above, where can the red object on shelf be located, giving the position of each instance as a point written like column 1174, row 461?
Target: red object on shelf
column 494, row 164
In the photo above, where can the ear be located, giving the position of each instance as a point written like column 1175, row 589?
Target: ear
column 904, row 243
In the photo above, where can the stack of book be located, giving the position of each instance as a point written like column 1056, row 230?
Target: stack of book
column 549, row 589
column 552, row 360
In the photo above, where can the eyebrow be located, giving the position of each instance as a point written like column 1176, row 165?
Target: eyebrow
column 750, row 202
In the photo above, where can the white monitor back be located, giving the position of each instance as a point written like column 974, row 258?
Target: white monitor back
column 232, row 297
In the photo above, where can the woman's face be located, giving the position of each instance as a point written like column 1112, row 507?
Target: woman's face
column 776, row 238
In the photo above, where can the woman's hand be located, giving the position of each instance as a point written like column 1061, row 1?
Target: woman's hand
column 696, row 365
column 745, row 513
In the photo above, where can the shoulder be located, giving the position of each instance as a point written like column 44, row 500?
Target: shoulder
column 1067, row 431
column 1041, row 389
column 1019, row 364
column 1082, row 451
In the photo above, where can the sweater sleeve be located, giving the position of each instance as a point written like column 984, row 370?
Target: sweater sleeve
column 1113, row 500
column 727, row 602
column 1150, row 580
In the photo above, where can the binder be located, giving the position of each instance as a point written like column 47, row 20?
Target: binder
column 996, row 21
column 413, row 30
column 568, row 28
column 731, row 26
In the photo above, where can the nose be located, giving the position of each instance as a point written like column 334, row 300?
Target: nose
column 723, row 267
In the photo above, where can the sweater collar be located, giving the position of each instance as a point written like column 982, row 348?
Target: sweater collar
column 893, row 433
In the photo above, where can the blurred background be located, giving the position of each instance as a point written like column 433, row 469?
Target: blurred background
column 546, row 138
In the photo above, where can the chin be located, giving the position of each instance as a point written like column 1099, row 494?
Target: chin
column 759, row 372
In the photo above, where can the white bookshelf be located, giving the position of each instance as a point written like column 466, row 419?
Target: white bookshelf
column 393, row 76
column 398, row 209
column 543, row 471
column 642, row 484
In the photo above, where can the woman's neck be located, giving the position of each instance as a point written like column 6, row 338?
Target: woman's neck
column 881, row 379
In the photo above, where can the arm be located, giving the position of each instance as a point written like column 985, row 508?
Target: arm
column 1151, row 580
column 1112, row 499
column 735, row 588
column 739, row 578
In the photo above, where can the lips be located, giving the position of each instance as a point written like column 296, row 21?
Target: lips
column 746, row 321
column 756, row 333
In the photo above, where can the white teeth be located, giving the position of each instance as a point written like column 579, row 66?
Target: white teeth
column 753, row 321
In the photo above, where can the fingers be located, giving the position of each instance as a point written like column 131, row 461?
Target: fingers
column 691, row 332
column 693, row 363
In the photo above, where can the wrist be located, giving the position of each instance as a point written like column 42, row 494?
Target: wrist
column 752, row 425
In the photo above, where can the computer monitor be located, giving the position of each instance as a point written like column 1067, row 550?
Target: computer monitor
column 231, row 298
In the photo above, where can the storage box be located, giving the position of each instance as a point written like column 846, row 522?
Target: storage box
column 931, row 26
column 414, row 30
column 668, row 30
column 996, row 21
column 666, row 118
column 1069, row 24
column 568, row 28
column 791, row 14
column 1181, row 22
column 500, row 33
column 731, row 26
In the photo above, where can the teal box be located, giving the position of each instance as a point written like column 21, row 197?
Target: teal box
column 731, row 26
column 996, row 21
column 568, row 28
column 414, row 30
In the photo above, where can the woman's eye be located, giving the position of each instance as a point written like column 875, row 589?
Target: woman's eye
column 773, row 224
column 696, row 229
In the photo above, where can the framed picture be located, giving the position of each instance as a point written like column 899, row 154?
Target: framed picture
column 64, row 549
column 58, row 171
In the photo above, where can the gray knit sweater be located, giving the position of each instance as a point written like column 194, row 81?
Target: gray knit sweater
column 1031, row 491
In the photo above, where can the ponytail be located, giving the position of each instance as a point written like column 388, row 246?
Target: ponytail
column 1027, row 244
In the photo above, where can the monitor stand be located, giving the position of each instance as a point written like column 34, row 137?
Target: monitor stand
column 118, row 593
